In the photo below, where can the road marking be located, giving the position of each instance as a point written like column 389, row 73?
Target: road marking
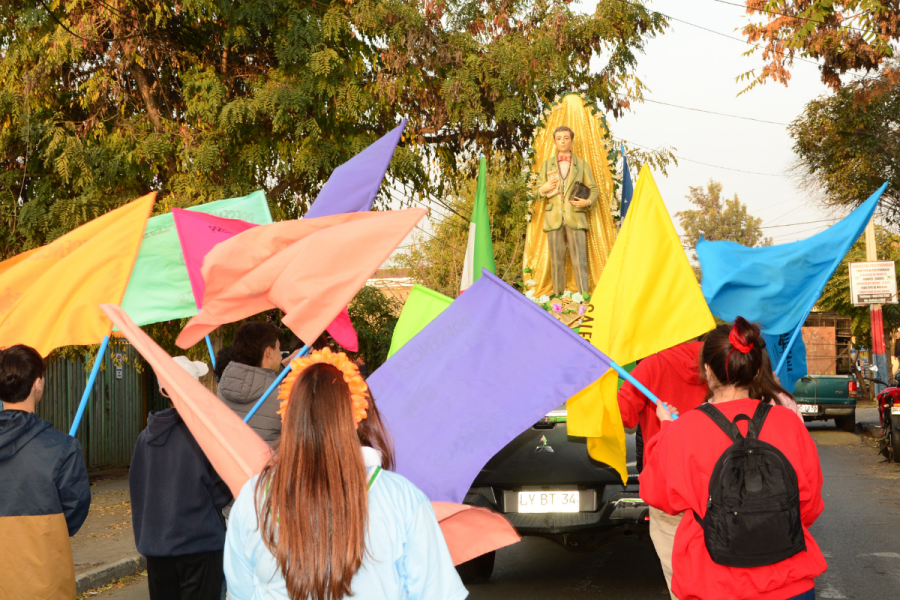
column 883, row 555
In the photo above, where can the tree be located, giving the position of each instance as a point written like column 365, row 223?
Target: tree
column 374, row 316
column 848, row 143
column 845, row 35
column 716, row 220
column 435, row 259
column 102, row 101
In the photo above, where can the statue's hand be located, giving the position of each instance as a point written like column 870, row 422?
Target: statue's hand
column 549, row 188
column 580, row 203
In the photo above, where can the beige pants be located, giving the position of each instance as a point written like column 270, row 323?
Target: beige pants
column 575, row 241
column 662, row 532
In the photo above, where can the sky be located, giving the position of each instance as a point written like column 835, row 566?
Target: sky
column 693, row 68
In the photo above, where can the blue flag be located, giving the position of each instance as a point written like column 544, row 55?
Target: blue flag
column 627, row 185
column 777, row 286
column 485, row 370
column 794, row 365
column 354, row 185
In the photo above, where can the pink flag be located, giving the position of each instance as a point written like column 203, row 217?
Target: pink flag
column 310, row 269
column 235, row 451
column 471, row 531
column 199, row 232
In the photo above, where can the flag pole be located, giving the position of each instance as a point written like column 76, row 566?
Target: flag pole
column 640, row 386
column 90, row 384
column 212, row 355
column 281, row 376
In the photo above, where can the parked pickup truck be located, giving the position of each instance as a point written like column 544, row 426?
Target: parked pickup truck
column 823, row 397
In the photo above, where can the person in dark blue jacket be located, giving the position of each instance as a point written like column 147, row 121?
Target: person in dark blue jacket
column 176, row 507
column 45, row 494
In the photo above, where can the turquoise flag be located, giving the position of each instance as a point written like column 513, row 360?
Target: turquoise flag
column 159, row 288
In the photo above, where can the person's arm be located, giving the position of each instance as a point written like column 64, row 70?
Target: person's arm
column 74, row 488
column 427, row 569
column 659, row 474
column 236, row 563
column 809, row 477
column 631, row 403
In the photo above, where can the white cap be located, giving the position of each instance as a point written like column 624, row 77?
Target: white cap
column 194, row 368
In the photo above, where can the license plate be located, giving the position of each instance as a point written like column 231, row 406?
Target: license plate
column 808, row 408
column 895, row 410
column 549, row 502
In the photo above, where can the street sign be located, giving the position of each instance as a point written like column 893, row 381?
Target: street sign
column 873, row 283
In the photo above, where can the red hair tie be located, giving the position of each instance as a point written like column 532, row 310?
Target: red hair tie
column 740, row 344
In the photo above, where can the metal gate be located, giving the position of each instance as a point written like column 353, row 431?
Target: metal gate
column 116, row 410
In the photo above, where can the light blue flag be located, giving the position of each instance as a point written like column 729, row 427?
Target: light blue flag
column 794, row 365
column 777, row 286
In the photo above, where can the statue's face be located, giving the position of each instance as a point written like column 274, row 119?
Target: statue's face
column 563, row 141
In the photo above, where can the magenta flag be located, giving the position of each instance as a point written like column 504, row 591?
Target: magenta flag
column 198, row 232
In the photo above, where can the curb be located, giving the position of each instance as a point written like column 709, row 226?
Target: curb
column 104, row 574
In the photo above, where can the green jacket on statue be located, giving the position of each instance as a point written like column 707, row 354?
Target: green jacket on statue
column 558, row 210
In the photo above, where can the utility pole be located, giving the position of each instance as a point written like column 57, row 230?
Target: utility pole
column 879, row 359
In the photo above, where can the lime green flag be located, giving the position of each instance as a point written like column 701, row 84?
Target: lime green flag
column 479, row 249
column 421, row 308
column 159, row 288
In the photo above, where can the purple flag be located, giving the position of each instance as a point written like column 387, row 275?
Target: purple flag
column 353, row 186
column 485, row 370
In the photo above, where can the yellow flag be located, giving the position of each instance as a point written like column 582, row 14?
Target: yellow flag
column 50, row 298
column 647, row 300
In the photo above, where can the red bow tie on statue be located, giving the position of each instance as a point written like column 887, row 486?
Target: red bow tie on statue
column 564, row 158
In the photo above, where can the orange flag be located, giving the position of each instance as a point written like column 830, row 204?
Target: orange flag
column 310, row 269
column 235, row 450
column 7, row 264
column 49, row 298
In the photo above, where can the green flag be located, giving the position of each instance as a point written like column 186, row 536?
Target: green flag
column 479, row 249
column 159, row 288
column 421, row 308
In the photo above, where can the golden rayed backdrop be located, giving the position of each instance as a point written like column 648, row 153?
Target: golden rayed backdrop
column 573, row 111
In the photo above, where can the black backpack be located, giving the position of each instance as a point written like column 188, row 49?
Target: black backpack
column 753, row 515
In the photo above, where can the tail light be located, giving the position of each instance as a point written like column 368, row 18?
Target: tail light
column 851, row 388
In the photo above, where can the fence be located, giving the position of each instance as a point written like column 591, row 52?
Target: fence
column 116, row 410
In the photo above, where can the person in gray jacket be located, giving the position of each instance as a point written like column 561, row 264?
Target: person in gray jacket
column 256, row 360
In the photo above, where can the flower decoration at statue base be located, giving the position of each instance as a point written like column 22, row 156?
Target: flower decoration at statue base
column 359, row 391
column 568, row 307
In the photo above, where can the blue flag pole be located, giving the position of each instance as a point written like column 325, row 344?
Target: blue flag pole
column 212, row 355
column 90, row 385
column 303, row 352
column 640, row 386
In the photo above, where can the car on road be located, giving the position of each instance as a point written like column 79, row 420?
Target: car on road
column 825, row 397
column 545, row 483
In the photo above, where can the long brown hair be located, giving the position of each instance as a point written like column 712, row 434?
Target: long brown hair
column 311, row 497
column 751, row 369
column 372, row 432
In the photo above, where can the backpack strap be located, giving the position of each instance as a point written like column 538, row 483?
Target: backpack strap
column 721, row 420
column 759, row 417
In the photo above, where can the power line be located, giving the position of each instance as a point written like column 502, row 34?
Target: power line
column 773, row 12
column 715, row 113
column 706, row 164
column 793, row 224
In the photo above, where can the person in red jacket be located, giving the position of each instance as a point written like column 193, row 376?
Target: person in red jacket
column 673, row 375
column 681, row 459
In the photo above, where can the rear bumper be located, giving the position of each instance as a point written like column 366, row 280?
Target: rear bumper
column 826, row 411
column 625, row 509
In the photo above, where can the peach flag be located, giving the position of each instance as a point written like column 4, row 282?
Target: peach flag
column 235, row 451
column 49, row 298
column 7, row 264
column 310, row 269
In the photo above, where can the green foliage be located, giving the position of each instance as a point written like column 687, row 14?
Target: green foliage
column 102, row 102
column 836, row 296
column 849, row 143
column 435, row 259
column 718, row 220
column 374, row 316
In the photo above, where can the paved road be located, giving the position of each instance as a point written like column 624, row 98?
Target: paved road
column 859, row 532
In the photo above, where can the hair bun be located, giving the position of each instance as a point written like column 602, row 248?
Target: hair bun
column 750, row 332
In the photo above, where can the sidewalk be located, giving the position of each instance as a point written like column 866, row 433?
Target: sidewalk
column 104, row 547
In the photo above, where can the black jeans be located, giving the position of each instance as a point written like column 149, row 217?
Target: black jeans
column 188, row 577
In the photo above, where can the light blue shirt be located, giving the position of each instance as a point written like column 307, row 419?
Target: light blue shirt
column 406, row 555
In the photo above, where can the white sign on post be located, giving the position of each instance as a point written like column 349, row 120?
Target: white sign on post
column 873, row 283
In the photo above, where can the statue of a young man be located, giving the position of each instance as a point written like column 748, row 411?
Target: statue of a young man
column 564, row 220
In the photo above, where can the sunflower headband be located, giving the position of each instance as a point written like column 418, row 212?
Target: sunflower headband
column 359, row 391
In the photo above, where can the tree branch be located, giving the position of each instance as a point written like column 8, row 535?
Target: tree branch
column 143, row 85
